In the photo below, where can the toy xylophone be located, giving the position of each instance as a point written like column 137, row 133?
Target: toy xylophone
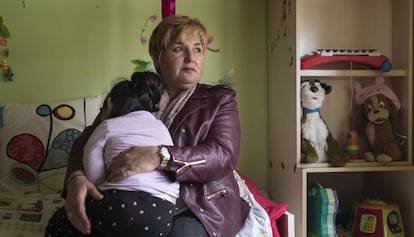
column 368, row 57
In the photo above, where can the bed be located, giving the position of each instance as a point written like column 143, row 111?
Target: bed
column 35, row 140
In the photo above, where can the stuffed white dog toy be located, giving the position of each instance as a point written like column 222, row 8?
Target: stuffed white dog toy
column 317, row 142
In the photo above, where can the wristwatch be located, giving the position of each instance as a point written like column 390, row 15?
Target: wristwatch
column 165, row 156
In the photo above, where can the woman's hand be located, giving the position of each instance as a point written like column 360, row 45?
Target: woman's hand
column 77, row 191
column 135, row 160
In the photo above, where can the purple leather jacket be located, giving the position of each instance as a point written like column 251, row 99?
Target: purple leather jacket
column 206, row 134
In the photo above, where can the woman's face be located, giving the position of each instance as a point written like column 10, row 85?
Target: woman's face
column 181, row 65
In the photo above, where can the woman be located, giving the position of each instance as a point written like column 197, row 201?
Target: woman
column 204, row 124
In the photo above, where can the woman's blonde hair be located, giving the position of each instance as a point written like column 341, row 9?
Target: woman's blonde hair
column 169, row 29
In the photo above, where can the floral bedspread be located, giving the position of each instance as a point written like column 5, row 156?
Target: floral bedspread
column 26, row 215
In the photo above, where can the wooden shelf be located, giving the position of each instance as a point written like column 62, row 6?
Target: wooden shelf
column 299, row 27
column 349, row 73
column 380, row 168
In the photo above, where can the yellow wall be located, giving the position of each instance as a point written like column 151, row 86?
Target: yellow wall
column 65, row 49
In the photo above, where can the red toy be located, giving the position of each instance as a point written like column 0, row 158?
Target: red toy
column 375, row 218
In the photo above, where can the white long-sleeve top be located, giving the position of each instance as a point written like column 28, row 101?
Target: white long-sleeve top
column 115, row 135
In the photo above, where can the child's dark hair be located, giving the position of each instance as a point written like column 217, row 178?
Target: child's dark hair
column 142, row 92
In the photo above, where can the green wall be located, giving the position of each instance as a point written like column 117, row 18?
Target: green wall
column 65, row 49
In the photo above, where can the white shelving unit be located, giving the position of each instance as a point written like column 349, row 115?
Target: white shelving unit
column 297, row 27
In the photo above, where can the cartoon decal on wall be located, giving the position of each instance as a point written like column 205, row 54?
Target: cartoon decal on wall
column 148, row 22
column 29, row 150
column 4, row 33
column 5, row 51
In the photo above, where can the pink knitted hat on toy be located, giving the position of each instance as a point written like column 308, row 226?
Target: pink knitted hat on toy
column 361, row 94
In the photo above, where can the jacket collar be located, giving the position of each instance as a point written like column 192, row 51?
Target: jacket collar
column 194, row 103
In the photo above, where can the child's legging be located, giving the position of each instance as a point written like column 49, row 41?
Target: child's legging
column 119, row 213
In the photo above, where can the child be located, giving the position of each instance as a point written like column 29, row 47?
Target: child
column 139, row 205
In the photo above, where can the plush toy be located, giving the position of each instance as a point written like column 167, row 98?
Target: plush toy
column 317, row 142
column 380, row 104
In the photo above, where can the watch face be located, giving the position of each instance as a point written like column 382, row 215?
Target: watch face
column 165, row 154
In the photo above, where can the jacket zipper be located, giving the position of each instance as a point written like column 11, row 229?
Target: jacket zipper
column 220, row 193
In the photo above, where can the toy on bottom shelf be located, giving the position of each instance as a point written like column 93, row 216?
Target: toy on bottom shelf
column 317, row 142
column 380, row 104
column 377, row 218
column 322, row 209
